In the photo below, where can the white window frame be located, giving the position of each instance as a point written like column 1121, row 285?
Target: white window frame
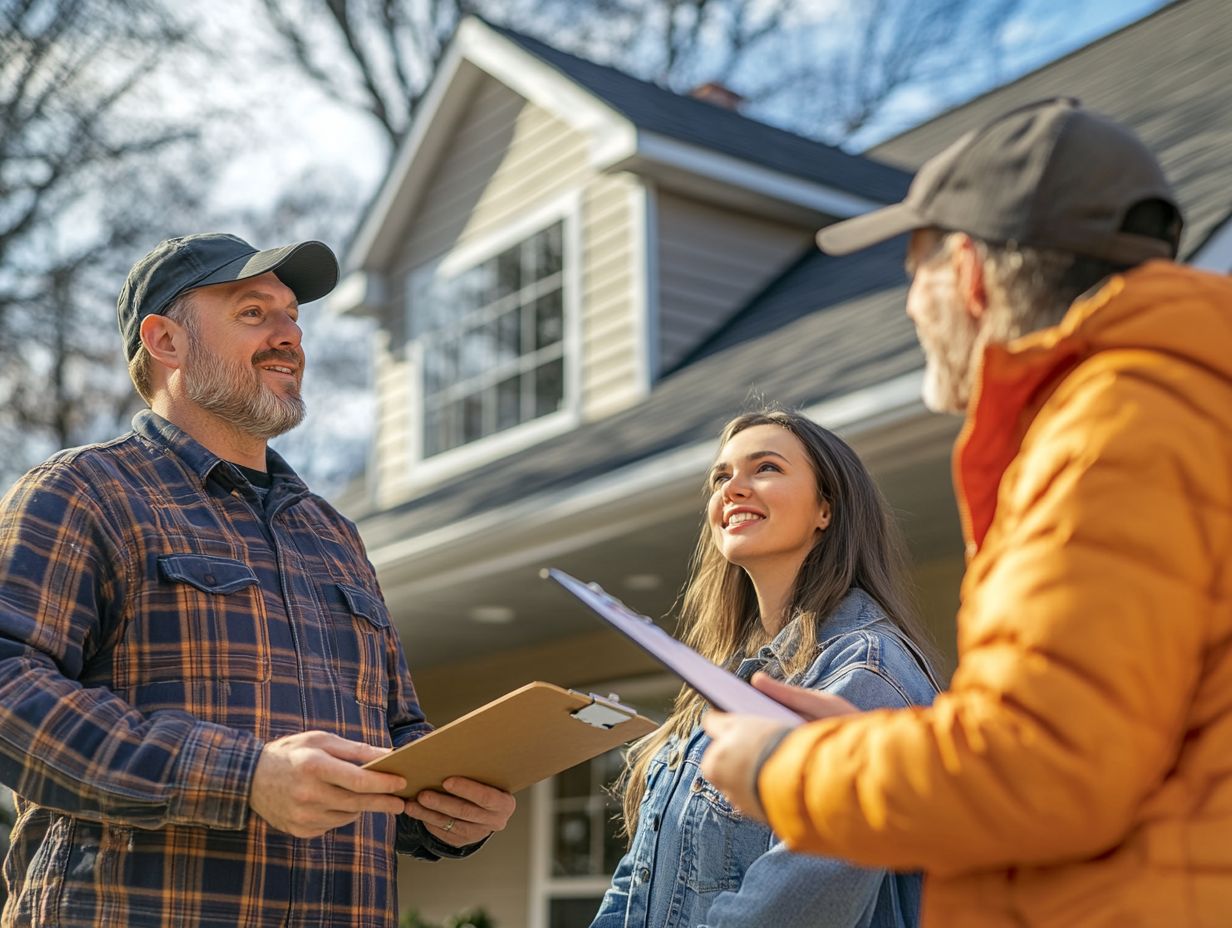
column 543, row 886
column 567, row 210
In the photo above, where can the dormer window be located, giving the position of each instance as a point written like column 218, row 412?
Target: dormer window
column 491, row 341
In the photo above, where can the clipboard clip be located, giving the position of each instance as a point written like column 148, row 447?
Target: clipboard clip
column 605, row 713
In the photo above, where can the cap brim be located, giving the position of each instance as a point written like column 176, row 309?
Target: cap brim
column 308, row 268
column 850, row 235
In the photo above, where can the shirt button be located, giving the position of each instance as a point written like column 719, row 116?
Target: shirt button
column 210, row 578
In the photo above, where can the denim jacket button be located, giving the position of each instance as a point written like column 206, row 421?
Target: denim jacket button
column 696, row 785
column 644, row 874
column 673, row 759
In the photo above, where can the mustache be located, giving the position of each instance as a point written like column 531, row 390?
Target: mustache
column 279, row 354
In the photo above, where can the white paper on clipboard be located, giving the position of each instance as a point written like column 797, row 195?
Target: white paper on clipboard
column 721, row 688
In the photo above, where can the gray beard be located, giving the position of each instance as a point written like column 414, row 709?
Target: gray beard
column 235, row 394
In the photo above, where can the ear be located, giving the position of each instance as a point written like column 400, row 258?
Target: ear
column 165, row 340
column 823, row 515
column 969, row 277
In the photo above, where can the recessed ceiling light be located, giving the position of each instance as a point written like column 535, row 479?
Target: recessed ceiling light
column 643, row 581
column 492, row 615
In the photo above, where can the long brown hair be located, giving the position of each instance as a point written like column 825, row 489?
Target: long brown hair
column 861, row 547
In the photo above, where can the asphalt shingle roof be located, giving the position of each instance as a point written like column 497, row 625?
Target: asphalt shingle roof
column 1166, row 76
column 855, row 343
column 714, row 128
column 829, row 326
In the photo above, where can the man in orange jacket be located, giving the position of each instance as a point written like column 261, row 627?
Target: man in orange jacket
column 1078, row 772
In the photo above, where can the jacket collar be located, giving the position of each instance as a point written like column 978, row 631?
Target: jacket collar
column 855, row 611
column 206, row 464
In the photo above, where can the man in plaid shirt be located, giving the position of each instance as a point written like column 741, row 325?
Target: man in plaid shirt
column 195, row 657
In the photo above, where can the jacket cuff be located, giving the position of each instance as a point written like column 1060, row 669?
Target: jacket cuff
column 767, row 749
column 213, row 777
column 414, row 839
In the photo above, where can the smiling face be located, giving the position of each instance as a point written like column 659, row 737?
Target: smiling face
column 244, row 361
column 765, row 510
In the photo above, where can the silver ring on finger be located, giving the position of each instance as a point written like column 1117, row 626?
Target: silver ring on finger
column 448, row 826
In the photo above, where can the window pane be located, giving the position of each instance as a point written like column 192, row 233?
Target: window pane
column 440, row 363
column 508, row 272
column 508, row 403
column 571, row 844
column 441, row 428
column 477, row 329
column 509, row 335
column 477, row 352
column 472, row 417
column 543, row 253
column 549, row 319
column 479, row 284
column 574, row 782
column 549, row 387
column 572, row 913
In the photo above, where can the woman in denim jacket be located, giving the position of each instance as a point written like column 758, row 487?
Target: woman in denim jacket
column 797, row 574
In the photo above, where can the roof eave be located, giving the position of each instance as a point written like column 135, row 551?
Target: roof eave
column 640, row 494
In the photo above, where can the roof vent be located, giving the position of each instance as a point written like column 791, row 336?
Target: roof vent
column 718, row 94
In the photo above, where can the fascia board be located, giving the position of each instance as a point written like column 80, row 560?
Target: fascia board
column 614, row 504
column 411, row 165
column 611, row 134
column 537, row 81
column 736, row 172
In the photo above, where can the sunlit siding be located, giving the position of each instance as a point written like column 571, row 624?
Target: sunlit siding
column 711, row 261
column 612, row 304
column 508, row 159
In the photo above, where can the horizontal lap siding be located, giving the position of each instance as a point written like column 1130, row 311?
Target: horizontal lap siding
column 611, row 305
column 711, row 262
column 508, row 158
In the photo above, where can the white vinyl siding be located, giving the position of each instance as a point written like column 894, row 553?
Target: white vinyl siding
column 508, row 160
column 711, row 262
column 611, row 302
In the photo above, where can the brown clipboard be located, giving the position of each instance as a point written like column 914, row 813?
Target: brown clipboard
column 525, row 736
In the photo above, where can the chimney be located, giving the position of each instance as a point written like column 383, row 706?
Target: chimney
column 717, row 94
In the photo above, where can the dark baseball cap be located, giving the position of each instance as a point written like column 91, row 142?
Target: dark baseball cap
column 1050, row 175
column 191, row 261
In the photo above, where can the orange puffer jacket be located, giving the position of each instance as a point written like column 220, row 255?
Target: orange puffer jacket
column 1078, row 773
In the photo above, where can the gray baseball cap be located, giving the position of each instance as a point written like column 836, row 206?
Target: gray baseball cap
column 191, row 261
column 1050, row 174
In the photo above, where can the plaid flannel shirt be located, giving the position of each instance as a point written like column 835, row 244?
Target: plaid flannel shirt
column 158, row 624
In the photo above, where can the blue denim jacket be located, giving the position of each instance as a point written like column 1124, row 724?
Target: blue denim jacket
column 695, row 861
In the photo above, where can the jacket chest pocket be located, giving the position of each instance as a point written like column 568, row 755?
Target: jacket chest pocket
column 362, row 640
column 202, row 620
column 719, row 843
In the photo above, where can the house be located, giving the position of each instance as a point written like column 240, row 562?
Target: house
column 576, row 279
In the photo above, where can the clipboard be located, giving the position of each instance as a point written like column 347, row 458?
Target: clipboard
column 525, row 736
column 721, row 688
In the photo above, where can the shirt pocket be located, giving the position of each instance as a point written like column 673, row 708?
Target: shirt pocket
column 362, row 638
column 201, row 620
column 717, row 841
